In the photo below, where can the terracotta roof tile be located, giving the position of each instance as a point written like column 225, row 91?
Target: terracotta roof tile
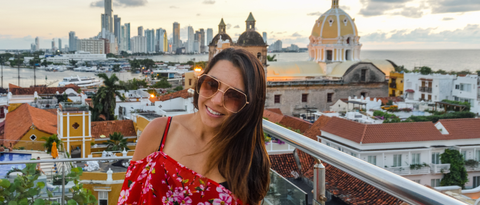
column 10, row 86
column 53, row 111
column 275, row 110
column 314, row 130
column 272, row 116
column 295, row 123
column 284, row 164
column 182, row 93
column 306, row 163
column 109, row 127
column 16, row 90
column 383, row 133
column 18, row 122
column 467, row 128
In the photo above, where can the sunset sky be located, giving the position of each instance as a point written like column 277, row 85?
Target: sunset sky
column 382, row 24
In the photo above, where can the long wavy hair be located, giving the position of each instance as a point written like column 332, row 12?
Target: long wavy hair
column 238, row 149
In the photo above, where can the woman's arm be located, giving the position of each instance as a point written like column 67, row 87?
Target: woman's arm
column 150, row 138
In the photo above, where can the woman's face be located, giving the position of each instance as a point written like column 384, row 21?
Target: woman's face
column 211, row 110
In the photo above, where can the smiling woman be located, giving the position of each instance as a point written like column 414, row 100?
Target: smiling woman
column 199, row 163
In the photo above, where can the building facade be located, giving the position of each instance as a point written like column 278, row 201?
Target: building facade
column 209, row 36
column 127, row 36
column 176, row 36
column 191, row 40
column 92, row 46
column 117, row 28
column 395, row 84
column 139, row 44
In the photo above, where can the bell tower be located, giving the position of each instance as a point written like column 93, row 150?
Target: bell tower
column 250, row 22
column 335, row 4
column 74, row 127
column 221, row 27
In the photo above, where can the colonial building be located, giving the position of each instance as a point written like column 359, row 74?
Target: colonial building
column 249, row 40
column 395, row 84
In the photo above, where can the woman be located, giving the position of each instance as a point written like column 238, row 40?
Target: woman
column 213, row 156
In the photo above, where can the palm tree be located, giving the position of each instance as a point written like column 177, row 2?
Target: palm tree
column 116, row 142
column 49, row 142
column 271, row 58
column 104, row 100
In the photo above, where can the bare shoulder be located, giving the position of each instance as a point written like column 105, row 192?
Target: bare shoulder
column 150, row 138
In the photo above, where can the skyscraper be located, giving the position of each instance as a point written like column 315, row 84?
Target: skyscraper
column 209, row 35
column 196, row 44
column 176, row 36
column 53, row 45
column 150, row 35
column 191, row 40
column 116, row 30
column 107, row 20
column 37, row 44
column 127, row 36
column 140, row 31
column 60, row 44
column 265, row 37
column 122, row 46
column 202, row 40
column 159, row 40
column 165, row 41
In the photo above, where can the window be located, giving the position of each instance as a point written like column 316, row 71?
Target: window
column 416, row 180
column 102, row 198
column 363, row 76
column 353, row 154
column 277, row 98
column 329, row 55
column 397, row 160
column 363, row 94
column 328, row 144
column 372, row 160
column 464, row 155
column 436, row 158
column 478, row 155
column 33, row 137
column 189, row 81
column 476, row 181
column 435, row 182
column 416, row 158
column 75, row 125
column 304, row 97
column 457, row 87
column 329, row 97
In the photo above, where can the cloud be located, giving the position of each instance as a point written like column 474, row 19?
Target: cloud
column 198, row 14
column 229, row 26
column 208, row 2
column 173, row 7
column 392, row 7
column 281, row 32
column 345, row 7
column 453, row 6
column 469, row 33
column 448, row 19
column 317, row 13
column 120, row 3
column 296, row 34
column 237, row 26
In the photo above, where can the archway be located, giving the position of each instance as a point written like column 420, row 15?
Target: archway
column 348, row 55
column 329, row 55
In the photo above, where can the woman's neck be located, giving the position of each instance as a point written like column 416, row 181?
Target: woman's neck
column 205, row 134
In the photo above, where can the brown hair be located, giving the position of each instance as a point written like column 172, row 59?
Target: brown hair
column 238, row 149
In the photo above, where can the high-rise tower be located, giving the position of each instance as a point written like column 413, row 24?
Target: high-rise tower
column 127, row 36
column 191, row 39
column 37, row 44
column 117, row 26
column 140, row 31
column 209, row 35
column 107, row 19
column 176, row 36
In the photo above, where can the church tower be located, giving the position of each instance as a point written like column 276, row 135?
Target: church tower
column 250, row 22
column 74, row 128
column 221, row 27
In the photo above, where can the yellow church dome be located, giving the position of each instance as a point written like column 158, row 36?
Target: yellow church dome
column 334, row 23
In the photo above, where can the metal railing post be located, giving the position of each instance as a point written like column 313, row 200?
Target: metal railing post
column 319, row 183
column 63, row 183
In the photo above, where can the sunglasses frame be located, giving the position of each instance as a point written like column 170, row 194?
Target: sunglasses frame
column 218, row 89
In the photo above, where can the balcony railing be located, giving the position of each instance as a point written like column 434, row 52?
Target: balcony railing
column 393, row 184
column 408, row 171
column 393, row 85
column 440, row 168
column 426, row 89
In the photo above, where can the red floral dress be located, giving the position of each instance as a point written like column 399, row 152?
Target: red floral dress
column 159, row 179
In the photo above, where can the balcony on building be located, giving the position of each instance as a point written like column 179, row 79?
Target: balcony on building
column 73, row 107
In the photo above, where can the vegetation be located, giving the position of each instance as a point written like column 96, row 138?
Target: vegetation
column 116, row 142
column 143, row 63
column 271, row 58
column 104, row 100
column 73, row 62
column 458, row 174
column 457, row 103
column 435, row 118
column 134, row 84
column 424, row 70
column 49, row 142
column 178, row 88
column 471, row 163
column 418, row 166
column 116, row 68
column 162, row 84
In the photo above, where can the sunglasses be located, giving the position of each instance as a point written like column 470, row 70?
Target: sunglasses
column 234, row 100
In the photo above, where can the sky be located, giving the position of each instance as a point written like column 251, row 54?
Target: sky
column 382, row 24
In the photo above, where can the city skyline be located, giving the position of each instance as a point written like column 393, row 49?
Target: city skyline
column 410, row 24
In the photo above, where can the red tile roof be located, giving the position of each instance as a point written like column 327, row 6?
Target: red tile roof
column 16, row 90
column 18, row 122
column 314, row 130
column 109, row 127
column 10, row 86
column 383, row 133
column 467, row 128
column 295, row 123
column 272, row 116
column 182, row 93
column 284, row 164
column 275, row 110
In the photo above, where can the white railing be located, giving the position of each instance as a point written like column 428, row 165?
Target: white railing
column 409, row 171
column 440, row 168
column 277, row 148
column 469, row 168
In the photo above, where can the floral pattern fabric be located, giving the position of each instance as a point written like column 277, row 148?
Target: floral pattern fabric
column 159, row 179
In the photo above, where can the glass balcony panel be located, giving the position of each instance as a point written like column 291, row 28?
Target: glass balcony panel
column 284, row 192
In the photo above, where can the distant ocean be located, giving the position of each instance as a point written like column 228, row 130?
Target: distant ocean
column 447, row 60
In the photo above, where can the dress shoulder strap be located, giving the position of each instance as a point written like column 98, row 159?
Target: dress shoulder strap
column 164, row 138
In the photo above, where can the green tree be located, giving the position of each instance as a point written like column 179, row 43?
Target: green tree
column 34, row 61
column 104, row 100
column 178, row 88
column 162, row 84
column 49, row 142
column 441, row 72
column 73, row 63
column 116, row 68
column 44, row 63
column 478, row 72
column 124, row 54
column 424, row 70
column 148, row 63
column 80, row 195
column 111, row 55
column 116, row 142
column 271, row 58
column 464, row 72
column 458, row 174
column 23, row 190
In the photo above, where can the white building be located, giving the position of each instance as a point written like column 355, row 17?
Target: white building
column 191, row 39
column 139, row 44
column 79, row 56
column 437, row 87
column 411, row 150
column 93, row 46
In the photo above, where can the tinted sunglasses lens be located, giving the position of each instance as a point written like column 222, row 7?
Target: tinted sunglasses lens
column 208, row 86
column 234, row 100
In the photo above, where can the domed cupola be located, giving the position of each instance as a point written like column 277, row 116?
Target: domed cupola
column 334, row 37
